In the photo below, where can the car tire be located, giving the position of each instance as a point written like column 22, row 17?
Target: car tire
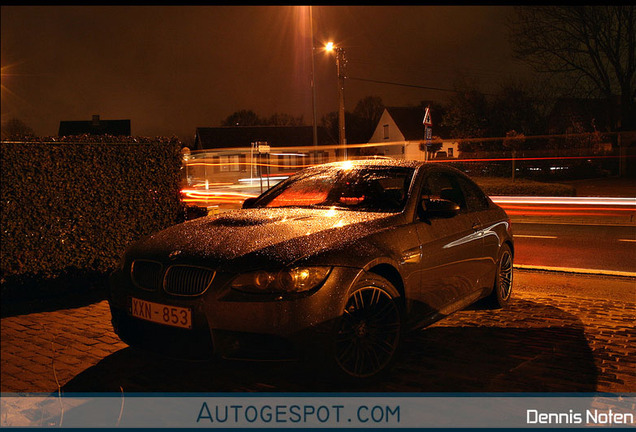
column 368, row 335
column 502, row 287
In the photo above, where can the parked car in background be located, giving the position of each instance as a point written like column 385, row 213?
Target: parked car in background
column 334, row 263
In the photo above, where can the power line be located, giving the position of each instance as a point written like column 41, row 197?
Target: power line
column 411, row 85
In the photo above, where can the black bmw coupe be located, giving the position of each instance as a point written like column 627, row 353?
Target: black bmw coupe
column 334, row 263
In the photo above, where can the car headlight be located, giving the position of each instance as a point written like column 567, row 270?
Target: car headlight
column 293, row 280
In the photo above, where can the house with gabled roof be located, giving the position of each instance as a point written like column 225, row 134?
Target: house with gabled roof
column 401, row 130
column 232, row 152
column 96, row 126
column 208, row 138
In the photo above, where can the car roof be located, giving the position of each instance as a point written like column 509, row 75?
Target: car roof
column 396, row 163
column 373, row 162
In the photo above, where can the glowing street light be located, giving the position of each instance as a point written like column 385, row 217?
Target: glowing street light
column 340, row 63
column 313, row 85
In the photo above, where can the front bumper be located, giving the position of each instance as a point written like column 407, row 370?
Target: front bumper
column 235, row 325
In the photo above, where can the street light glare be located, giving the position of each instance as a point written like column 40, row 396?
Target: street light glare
column 329, row 46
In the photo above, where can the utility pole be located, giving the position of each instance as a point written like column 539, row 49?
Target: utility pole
column 340, row 63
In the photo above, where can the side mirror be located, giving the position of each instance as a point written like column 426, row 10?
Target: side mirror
column 440, row 208
column 248, row 203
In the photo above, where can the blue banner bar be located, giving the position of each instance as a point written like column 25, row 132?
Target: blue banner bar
column 315, row 411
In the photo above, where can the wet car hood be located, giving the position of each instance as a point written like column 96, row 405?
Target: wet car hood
column 260, row 238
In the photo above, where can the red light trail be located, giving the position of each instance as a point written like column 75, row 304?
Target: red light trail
column 567, row 206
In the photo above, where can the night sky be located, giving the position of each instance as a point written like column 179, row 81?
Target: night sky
column 171, row 69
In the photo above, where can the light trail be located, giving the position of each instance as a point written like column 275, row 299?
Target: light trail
column 201, row 162
column 263, row 179
column 198, row 192
column 513, row 205
column 207, row 198
column 246, row 164
column 517, row 159
column 549, row 213
column 564, row 200
column 310, row 149
column 566, row 206
column 575, row 270
column 535, row 236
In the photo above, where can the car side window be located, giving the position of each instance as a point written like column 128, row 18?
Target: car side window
column 441, row 185
column 476, row 200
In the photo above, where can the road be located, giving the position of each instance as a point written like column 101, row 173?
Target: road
column 599, row 247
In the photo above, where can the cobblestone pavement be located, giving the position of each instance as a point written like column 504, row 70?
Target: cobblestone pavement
column 545, row 341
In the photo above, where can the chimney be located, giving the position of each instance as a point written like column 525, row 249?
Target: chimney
column 96, row 120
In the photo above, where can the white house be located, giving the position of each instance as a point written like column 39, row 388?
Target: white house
column 401, row 131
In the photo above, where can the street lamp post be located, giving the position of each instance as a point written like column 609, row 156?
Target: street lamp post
column 340, row 64
column 313, row 85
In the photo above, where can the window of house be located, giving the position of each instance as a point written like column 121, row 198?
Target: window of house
column 286, row 161
column 319, row 157
column 230, row 163
column 386, row 131
column 450, row 152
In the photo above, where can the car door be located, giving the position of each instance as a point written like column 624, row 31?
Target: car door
column 489, row 220
column 451, row 246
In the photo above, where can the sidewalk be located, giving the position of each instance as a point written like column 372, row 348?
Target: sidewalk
column 553, row 338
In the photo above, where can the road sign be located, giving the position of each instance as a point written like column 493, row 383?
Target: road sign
column 427, row 117
column 261, row 147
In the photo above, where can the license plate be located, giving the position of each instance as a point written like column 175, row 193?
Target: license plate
column 174, row 316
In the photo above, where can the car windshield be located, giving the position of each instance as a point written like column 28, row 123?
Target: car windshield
column 377, row 189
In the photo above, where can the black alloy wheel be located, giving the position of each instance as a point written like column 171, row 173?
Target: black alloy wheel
column 370, row 330
column 502, row 289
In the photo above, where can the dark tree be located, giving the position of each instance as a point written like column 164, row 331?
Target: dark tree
column 330, row 122
column 355, row 132
column 467, row 116
column 368, row 111
column 591, row 48
column 359, row 124
column 16, row 129
column 250, row 118
column 243, row 118
column 515, row 108
column 279, row 119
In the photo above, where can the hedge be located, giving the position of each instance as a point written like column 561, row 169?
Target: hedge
column 501, row 186
column 73, row 207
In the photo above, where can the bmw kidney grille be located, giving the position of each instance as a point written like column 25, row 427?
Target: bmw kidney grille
column 187, row 280
column 182, row 280
column 147, row 275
